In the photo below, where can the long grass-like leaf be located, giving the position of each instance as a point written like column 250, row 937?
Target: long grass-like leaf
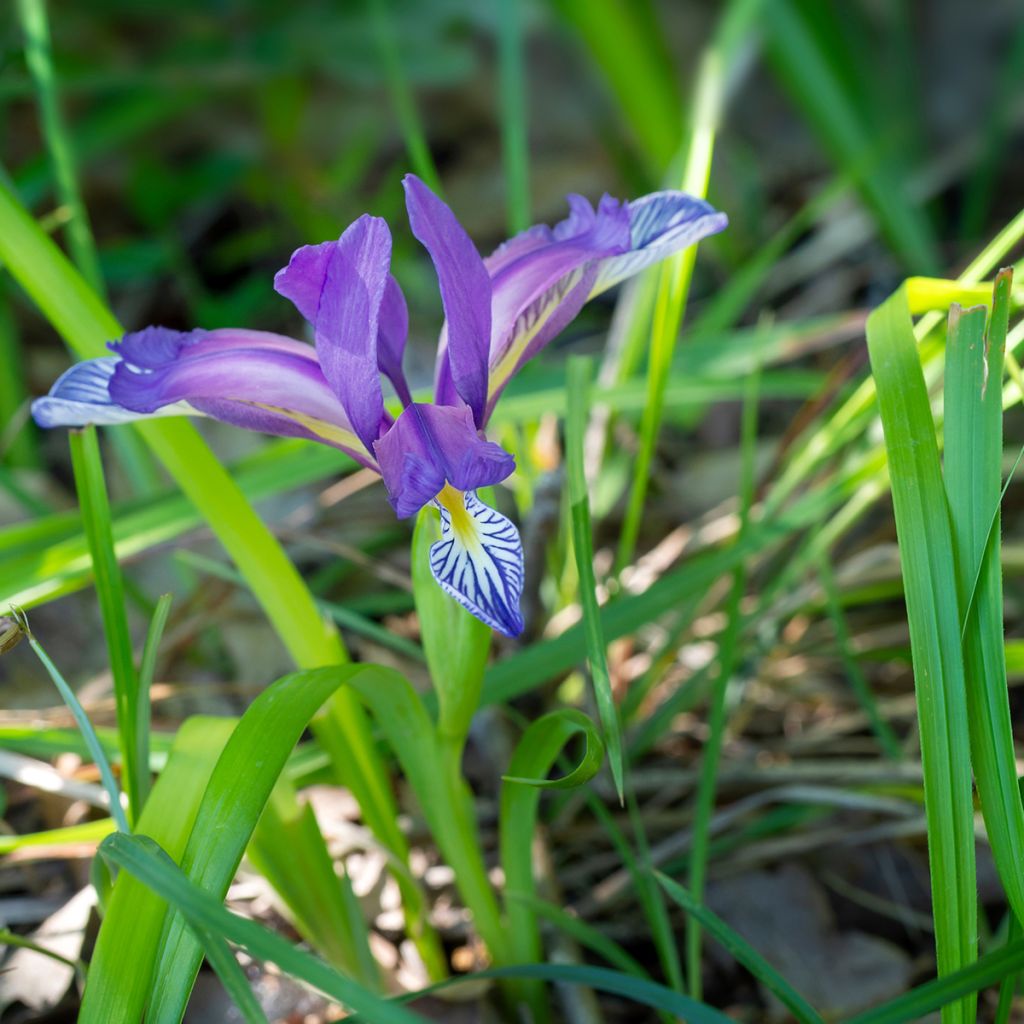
column 145, row 860
column 973, row 431
column 95, row 506
column 583, row 546
column 930, row 586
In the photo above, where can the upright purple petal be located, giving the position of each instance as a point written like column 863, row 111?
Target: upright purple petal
column 465, row 291
column 339, row 288
column 251, row 379
column 392, row 331
column 431, row 445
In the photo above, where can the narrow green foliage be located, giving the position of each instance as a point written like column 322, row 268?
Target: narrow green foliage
column 887, row 739
column 536, row 752
column 675, row 276
column 456, row 644
column 973, row 432
column 578, row 384
column 514, row 140
column 147, row 667
column 742, row 951
column 18, row 446
column 145, row 860
column 232, row 977
column 930, row 586
column 808, row 70
column 95, row 506
column 1008, row 986
column 36, row 27
column 289, row 851
column 401, row 96
column 918, row 1003
column 96, row 751
column 727, row 660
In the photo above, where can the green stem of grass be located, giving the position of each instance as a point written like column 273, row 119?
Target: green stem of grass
column 514, row 141
column 95, row 507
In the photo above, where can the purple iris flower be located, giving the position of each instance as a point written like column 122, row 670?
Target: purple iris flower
column 499, row 313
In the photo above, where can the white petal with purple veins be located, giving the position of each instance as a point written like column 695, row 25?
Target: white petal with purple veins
column 479, row 560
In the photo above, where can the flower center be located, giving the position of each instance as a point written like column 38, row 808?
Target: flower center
column 454, row 503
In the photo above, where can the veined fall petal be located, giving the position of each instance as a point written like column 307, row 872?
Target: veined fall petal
column 479, row 560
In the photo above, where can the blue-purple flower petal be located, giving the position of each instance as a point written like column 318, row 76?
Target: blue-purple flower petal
column 251, row 379
column 392, row 332
column 81, row 396
column 479, row 562
column 431, row 445
column 465, row 292
column 339, row 287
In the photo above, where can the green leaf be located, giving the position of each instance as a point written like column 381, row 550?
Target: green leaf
column 146, row 861
column 583, row 548
column 743, row 952
column 930, row 586
column 95, row 505
column 973, row 432
column 535, row 753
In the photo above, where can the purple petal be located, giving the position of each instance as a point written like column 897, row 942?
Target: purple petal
column 542, row 277
column 479, row 561
column 339, row 287
column 251, row 379
column 465, row 291
column 431, row 445
column 392, row 331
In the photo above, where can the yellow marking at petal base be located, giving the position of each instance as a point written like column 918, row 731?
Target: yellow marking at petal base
column 328, row 431
column 454, row 502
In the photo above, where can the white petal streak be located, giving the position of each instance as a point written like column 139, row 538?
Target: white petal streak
column 479, row 561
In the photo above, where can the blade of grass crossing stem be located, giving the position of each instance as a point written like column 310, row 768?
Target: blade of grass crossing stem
column 232, row 977
column 918, row 1003
column 728, row 657
column 670, row 303
column 1008, row 986
column 147, row 668
column 742, row 952
column 514, row 141
column 930, row 587
column 95, row 505
column 96, row 751
column 401, row 95
column 241, row 782
column 122, row 967
column 144, row 859
column 578, row 382
column 287, row 849
column 86, row 324
column 887, row 739
column 973, row 432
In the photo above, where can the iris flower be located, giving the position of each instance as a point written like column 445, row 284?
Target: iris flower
column 499, row 313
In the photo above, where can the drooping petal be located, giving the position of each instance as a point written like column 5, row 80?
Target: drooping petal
column 660, row 224
column 80, row 396
column 431, row 445
column 542, row 277
column 392, row 331
column 252, row 379
column 465, row 292
column 479, row 561
column 339, row 287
